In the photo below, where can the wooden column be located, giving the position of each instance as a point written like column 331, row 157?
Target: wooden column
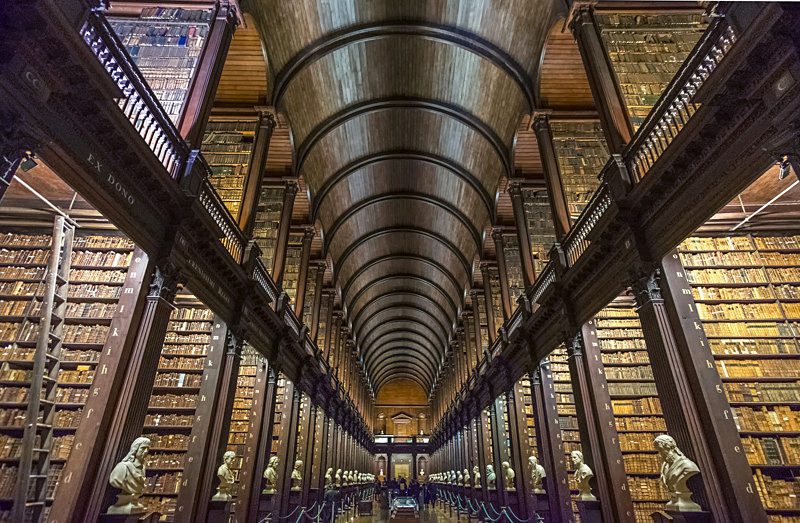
column 203, row 86
column 692, row 396
column 213, row 399
column 502, row 271
column 282, row 241
column 487, row 296
column 134, row 395
column 259, row 443
column 251, row 194
column 329, row 324
column 305, row 444
column 77, row 477
column 523, row 235
column 518, row 436
column 316, row 304
column 476, row 324
column 288, row 442
column 468, row 347
column 551, row 444
column 321, row 449
column 489, row 451
column 302, row 275
column 599, row 440
column 602, row 80
column 501, row 451
column 552, row 176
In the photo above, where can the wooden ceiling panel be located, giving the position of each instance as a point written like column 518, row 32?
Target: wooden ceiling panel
column 244, row 76
column 563, row 83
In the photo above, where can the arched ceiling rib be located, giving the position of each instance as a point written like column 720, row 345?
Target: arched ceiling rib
column 404, row 114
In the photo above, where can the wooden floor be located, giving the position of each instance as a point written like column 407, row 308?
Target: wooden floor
column 429, row 515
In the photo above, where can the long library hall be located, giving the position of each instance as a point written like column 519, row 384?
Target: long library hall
column 529, row 261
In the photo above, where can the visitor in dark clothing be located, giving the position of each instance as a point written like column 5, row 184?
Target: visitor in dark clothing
column 403, row 486
column 430, row 494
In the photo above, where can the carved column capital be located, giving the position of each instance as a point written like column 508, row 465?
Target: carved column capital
column 484, row 266
column 308, row 233
column 647, row 288
column 582, row 14
column 540, row 123
column 575, row 346
column 234, row 343
column 291, row 188
column 514, row 189
column 497, row 234
column 164, row 283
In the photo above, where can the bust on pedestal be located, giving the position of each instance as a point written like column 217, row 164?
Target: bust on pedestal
column 297, row 476
column 676, row 469
column 129, row 477
column 537, row 474
column 476, row 473
column 582, row 476
column 508, row 476
column 491, row 477
column 271, row 476
column 226, row 477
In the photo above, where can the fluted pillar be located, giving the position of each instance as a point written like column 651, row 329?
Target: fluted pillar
column 552, row 176
column 282, row 242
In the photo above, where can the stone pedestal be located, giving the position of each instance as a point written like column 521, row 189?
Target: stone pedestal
column 589, row 511
column 266, row 506
column 218, row 511
column 669, row 516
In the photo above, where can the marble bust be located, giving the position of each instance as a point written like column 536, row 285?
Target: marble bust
column 466, row 478
column 491, row 477
column 537, row 474
column 328, row 479
column 676, row 469
column 476, row 473
column 338, row 477
column 227, row 478
column 508, row 476
column 460, row 479
column 271, row 476
column 297, row 475
column 129, row 477
column 582, row 476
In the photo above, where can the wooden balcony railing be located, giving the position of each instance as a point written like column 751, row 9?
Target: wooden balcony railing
column 138, row 102
column 678, row 103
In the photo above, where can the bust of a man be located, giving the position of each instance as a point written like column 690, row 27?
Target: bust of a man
column 460, row 479
column 328, row 479
column 227, row 478
column 582, row 476
column 491, row 477
column 271, row 476
column 338, row 477
column 297, row 475
column 476, row 473
column 508, row 476
column 129, row 477
column 466, row 478
column 537, row 474
column 676, row 469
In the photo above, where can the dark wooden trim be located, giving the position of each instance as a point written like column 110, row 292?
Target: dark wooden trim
column 251, row 192
column 408, row 319
column 599, row 439
column 551, row 444
column 407, row 374
column 405, row 361
column 415, row 230
column 388, row 197
column 201, row 453
column 403, row 277
column 414, row 103
column 90, row 437
column 290, row 413
column 556, row 196
column 488, row 297
column 437, row 32
column 420, row 156
column 518, row 436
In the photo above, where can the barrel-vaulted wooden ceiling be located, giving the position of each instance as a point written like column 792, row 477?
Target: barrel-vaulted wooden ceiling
column 403, row 114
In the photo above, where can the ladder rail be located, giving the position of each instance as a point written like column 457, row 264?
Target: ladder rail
column 28, row 447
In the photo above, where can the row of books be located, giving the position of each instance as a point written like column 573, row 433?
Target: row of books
column 699, row 243
column 767, row 419
column 736, row 347
column 756, row 392
column 772, row 451
column 780, row 368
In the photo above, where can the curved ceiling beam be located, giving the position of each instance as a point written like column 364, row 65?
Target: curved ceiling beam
column 436, row 335
column 392, row 372
column 413, row 277
column 400, row 102
column 415, row 327
column 394, row 294
column 448, row 35
column 404, row 307
column 388, row 197
column 412, row 377
column 378, row 356
column 407, row 365
column 407, row 361
column 439, row 161
column 435, row 357
column 415, row 230
column 392, row 257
